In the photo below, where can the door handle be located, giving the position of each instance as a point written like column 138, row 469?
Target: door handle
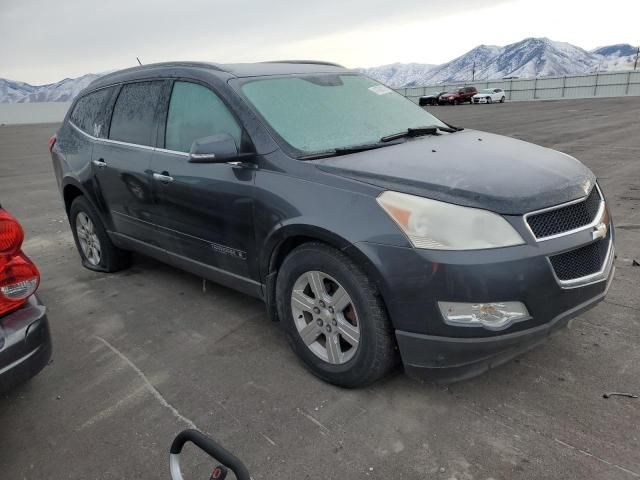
column 99, row 163
column 161, row 177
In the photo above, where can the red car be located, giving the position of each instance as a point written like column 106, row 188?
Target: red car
column 458, row 96
column 25, row 342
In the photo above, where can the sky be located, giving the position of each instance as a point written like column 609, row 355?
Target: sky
column 44, row 41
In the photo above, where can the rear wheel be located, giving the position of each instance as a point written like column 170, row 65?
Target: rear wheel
column 333, row 317
column 502, row 100
column 96, row 250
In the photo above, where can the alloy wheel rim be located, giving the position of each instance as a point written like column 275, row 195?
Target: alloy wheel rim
column 325, row 317
column 89, row 242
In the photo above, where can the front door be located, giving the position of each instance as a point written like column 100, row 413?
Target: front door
column 205, row 211
column 121, row 163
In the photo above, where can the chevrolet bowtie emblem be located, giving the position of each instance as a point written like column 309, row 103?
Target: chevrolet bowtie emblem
column 600, row 231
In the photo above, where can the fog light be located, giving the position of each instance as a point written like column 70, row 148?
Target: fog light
column 489, row 315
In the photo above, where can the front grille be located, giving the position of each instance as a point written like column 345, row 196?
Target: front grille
column 580, row 262
column 565, row 219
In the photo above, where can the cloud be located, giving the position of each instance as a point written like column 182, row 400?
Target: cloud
column 49, row 40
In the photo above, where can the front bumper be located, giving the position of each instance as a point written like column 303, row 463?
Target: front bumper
column 413, row 281
column 480, row 100
column 25, row 344
column 449, row 359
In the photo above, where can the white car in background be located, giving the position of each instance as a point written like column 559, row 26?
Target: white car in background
column 489, row 95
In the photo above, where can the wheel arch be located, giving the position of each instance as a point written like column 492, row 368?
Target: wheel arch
column 70, row 192
column 71, row 189
column 287, row 238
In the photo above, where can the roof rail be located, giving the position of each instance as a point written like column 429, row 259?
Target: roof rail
column 151, row 66
column 309, row 62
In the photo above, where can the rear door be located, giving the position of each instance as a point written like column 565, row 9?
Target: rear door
column 205, row 210
column 121, row 162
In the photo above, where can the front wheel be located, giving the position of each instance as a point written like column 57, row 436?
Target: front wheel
column 489, row 100
column 333, row 317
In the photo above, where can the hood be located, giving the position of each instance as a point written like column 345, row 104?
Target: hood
column 471, row 168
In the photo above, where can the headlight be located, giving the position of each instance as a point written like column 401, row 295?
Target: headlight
column 443, row 226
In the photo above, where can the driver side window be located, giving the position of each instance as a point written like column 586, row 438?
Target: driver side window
column 196, row 112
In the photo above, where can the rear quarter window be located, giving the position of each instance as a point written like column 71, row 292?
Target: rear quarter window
column 134, row 117
column 91, row 112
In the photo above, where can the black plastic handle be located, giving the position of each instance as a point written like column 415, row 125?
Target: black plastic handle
column 213, row 449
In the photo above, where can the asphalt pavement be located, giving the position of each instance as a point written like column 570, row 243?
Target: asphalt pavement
column 144, row 353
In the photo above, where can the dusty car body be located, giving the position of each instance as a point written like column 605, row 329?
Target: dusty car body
column 366, row 225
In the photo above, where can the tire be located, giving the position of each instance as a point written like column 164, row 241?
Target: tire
column 502, row 100
column 96, row 250
column 489, row 100
column 326, row 352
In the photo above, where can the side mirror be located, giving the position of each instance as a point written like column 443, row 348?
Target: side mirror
column 219, row 148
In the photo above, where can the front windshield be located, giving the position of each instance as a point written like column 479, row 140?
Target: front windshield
column 317, row 113
column 486, row 90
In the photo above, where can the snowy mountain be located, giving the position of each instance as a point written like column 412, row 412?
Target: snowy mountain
column 616, row 57
column 62, row 91
column 531, row 57
column 620, row 50
column 398, row 74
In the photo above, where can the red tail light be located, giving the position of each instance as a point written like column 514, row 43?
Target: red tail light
column 52, row 142
column 11, row 234
column 19, row 277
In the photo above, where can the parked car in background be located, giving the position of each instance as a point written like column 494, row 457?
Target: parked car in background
column 25, row 342
column 489, row 95
column 431, row 99
column 458, row 96
column 373, row 231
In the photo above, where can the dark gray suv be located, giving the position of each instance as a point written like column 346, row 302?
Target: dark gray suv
column 373, row 231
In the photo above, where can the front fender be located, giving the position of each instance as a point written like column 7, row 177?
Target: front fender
column 278, row 238
column 285, row 231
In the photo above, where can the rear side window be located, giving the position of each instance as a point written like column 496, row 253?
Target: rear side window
column 134, row 114
column 196, row 112
column 91, row 113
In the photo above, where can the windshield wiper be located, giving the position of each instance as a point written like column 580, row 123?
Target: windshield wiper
column 417, row 132
column 336, row 152
column 454, row 128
